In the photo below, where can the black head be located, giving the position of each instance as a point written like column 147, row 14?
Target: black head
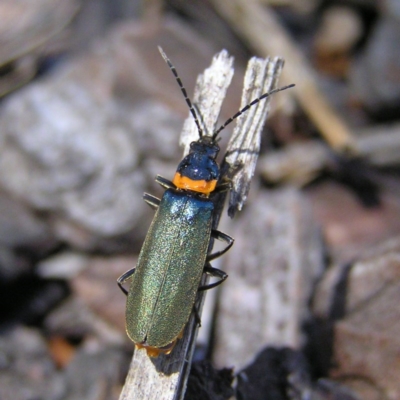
column 205, row 145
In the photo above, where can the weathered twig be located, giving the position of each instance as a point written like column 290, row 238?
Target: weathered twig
column 300, row 163
column 380, row 144
column 272, row 269
column 165, row 377
column 259, row 27
column 244, row 145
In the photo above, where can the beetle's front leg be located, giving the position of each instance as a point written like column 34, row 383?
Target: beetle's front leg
column 165, row 183
column 223, row 187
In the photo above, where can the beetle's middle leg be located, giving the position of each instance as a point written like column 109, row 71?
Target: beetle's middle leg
column 123, row 278
column 223, row 237
column 208, row 269
column 151, row 200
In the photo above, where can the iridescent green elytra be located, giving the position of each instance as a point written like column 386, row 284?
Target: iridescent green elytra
column 169, row 269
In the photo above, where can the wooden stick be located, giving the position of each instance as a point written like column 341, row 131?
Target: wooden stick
column 271, row 273
column 259, row 27
column 261, row 77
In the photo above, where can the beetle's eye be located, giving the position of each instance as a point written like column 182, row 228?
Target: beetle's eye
column 213, row 151
column 194, row 146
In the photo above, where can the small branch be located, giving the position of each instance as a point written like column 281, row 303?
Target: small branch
column 300, row 163
column 258, row 25
column 271, row 274
column 244, row 145
column 380, row 144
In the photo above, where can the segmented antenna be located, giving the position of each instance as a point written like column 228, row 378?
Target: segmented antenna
column 245, row 108
column 183, row 90
column 193, row 111
column 201, row 120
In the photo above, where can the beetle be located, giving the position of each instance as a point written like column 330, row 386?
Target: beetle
column 174, row 255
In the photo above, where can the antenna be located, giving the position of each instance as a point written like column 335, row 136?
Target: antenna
column 193, row 110
column 183, row 90
column 245, row 108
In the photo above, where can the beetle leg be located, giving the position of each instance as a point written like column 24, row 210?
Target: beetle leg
column 223, row 187
column 196, row 315
column 208, row 269
column 123, row 278
column 151, row 200
column 223, row 237
column 156, row 351
column 165, row 183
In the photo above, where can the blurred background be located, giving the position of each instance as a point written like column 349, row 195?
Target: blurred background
column 90, row 113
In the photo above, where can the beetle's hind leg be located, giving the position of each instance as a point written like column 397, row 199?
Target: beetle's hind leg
column 196, row 315
column 208, row 269
column 223, row 237
column 123, row 278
